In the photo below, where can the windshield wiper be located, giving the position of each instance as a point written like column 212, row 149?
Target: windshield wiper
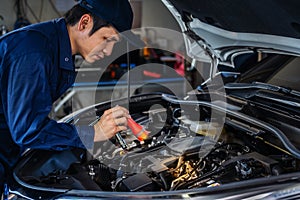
column 260, row 85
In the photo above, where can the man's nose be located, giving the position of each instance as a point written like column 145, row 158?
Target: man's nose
column 108, row 49
column 105, row 52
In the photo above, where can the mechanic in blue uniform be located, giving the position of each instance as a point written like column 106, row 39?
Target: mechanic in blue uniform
column 37, row 67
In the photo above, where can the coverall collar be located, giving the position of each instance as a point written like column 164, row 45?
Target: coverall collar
column 66, row 58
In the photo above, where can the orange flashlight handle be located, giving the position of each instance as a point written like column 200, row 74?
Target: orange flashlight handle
column 137, row 129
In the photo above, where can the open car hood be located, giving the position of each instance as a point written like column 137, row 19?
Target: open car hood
column 238, row 143
column 225, row 29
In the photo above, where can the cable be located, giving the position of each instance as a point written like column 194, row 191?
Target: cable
column 17, row 8
column 21, row 15
column 31, row 11
column 54, row 8
column 41, row 10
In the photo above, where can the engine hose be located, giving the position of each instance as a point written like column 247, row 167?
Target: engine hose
column 162, row 178
column 278, row 133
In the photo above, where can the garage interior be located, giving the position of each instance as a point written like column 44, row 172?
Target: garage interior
column 211, row 101
column 160, row 52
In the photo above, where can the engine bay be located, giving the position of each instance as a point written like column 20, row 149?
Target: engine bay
column 186, row 148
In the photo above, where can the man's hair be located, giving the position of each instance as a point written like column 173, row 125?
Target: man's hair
column 74, row 14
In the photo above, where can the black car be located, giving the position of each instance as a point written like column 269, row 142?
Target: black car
column 235, row 136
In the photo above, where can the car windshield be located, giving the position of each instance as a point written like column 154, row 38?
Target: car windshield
column 288, row 76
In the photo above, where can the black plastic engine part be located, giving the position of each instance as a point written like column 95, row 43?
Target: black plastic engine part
column 137, row 183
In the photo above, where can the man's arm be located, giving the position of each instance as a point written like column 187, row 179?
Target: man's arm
column 27, row 103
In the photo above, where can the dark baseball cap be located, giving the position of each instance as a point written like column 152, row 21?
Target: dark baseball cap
column 118, row 13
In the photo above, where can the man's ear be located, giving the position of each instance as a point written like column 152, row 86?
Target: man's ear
column 85, row 22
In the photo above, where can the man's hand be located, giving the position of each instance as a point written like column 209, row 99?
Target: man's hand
column 111, row 122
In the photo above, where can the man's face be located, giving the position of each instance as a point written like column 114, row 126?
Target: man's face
column 99, row 44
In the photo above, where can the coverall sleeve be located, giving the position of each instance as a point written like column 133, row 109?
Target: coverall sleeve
column 28, row 103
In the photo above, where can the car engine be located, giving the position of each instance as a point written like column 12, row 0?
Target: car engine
column 184, row 150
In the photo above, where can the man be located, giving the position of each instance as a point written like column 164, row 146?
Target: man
column 36, row 68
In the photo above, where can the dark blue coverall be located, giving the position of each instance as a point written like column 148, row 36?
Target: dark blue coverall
column 36, row 68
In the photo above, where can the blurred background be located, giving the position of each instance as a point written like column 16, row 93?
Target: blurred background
column 109, row 79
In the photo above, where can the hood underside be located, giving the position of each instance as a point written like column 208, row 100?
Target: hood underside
column 271, row 17
column 227, row 25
